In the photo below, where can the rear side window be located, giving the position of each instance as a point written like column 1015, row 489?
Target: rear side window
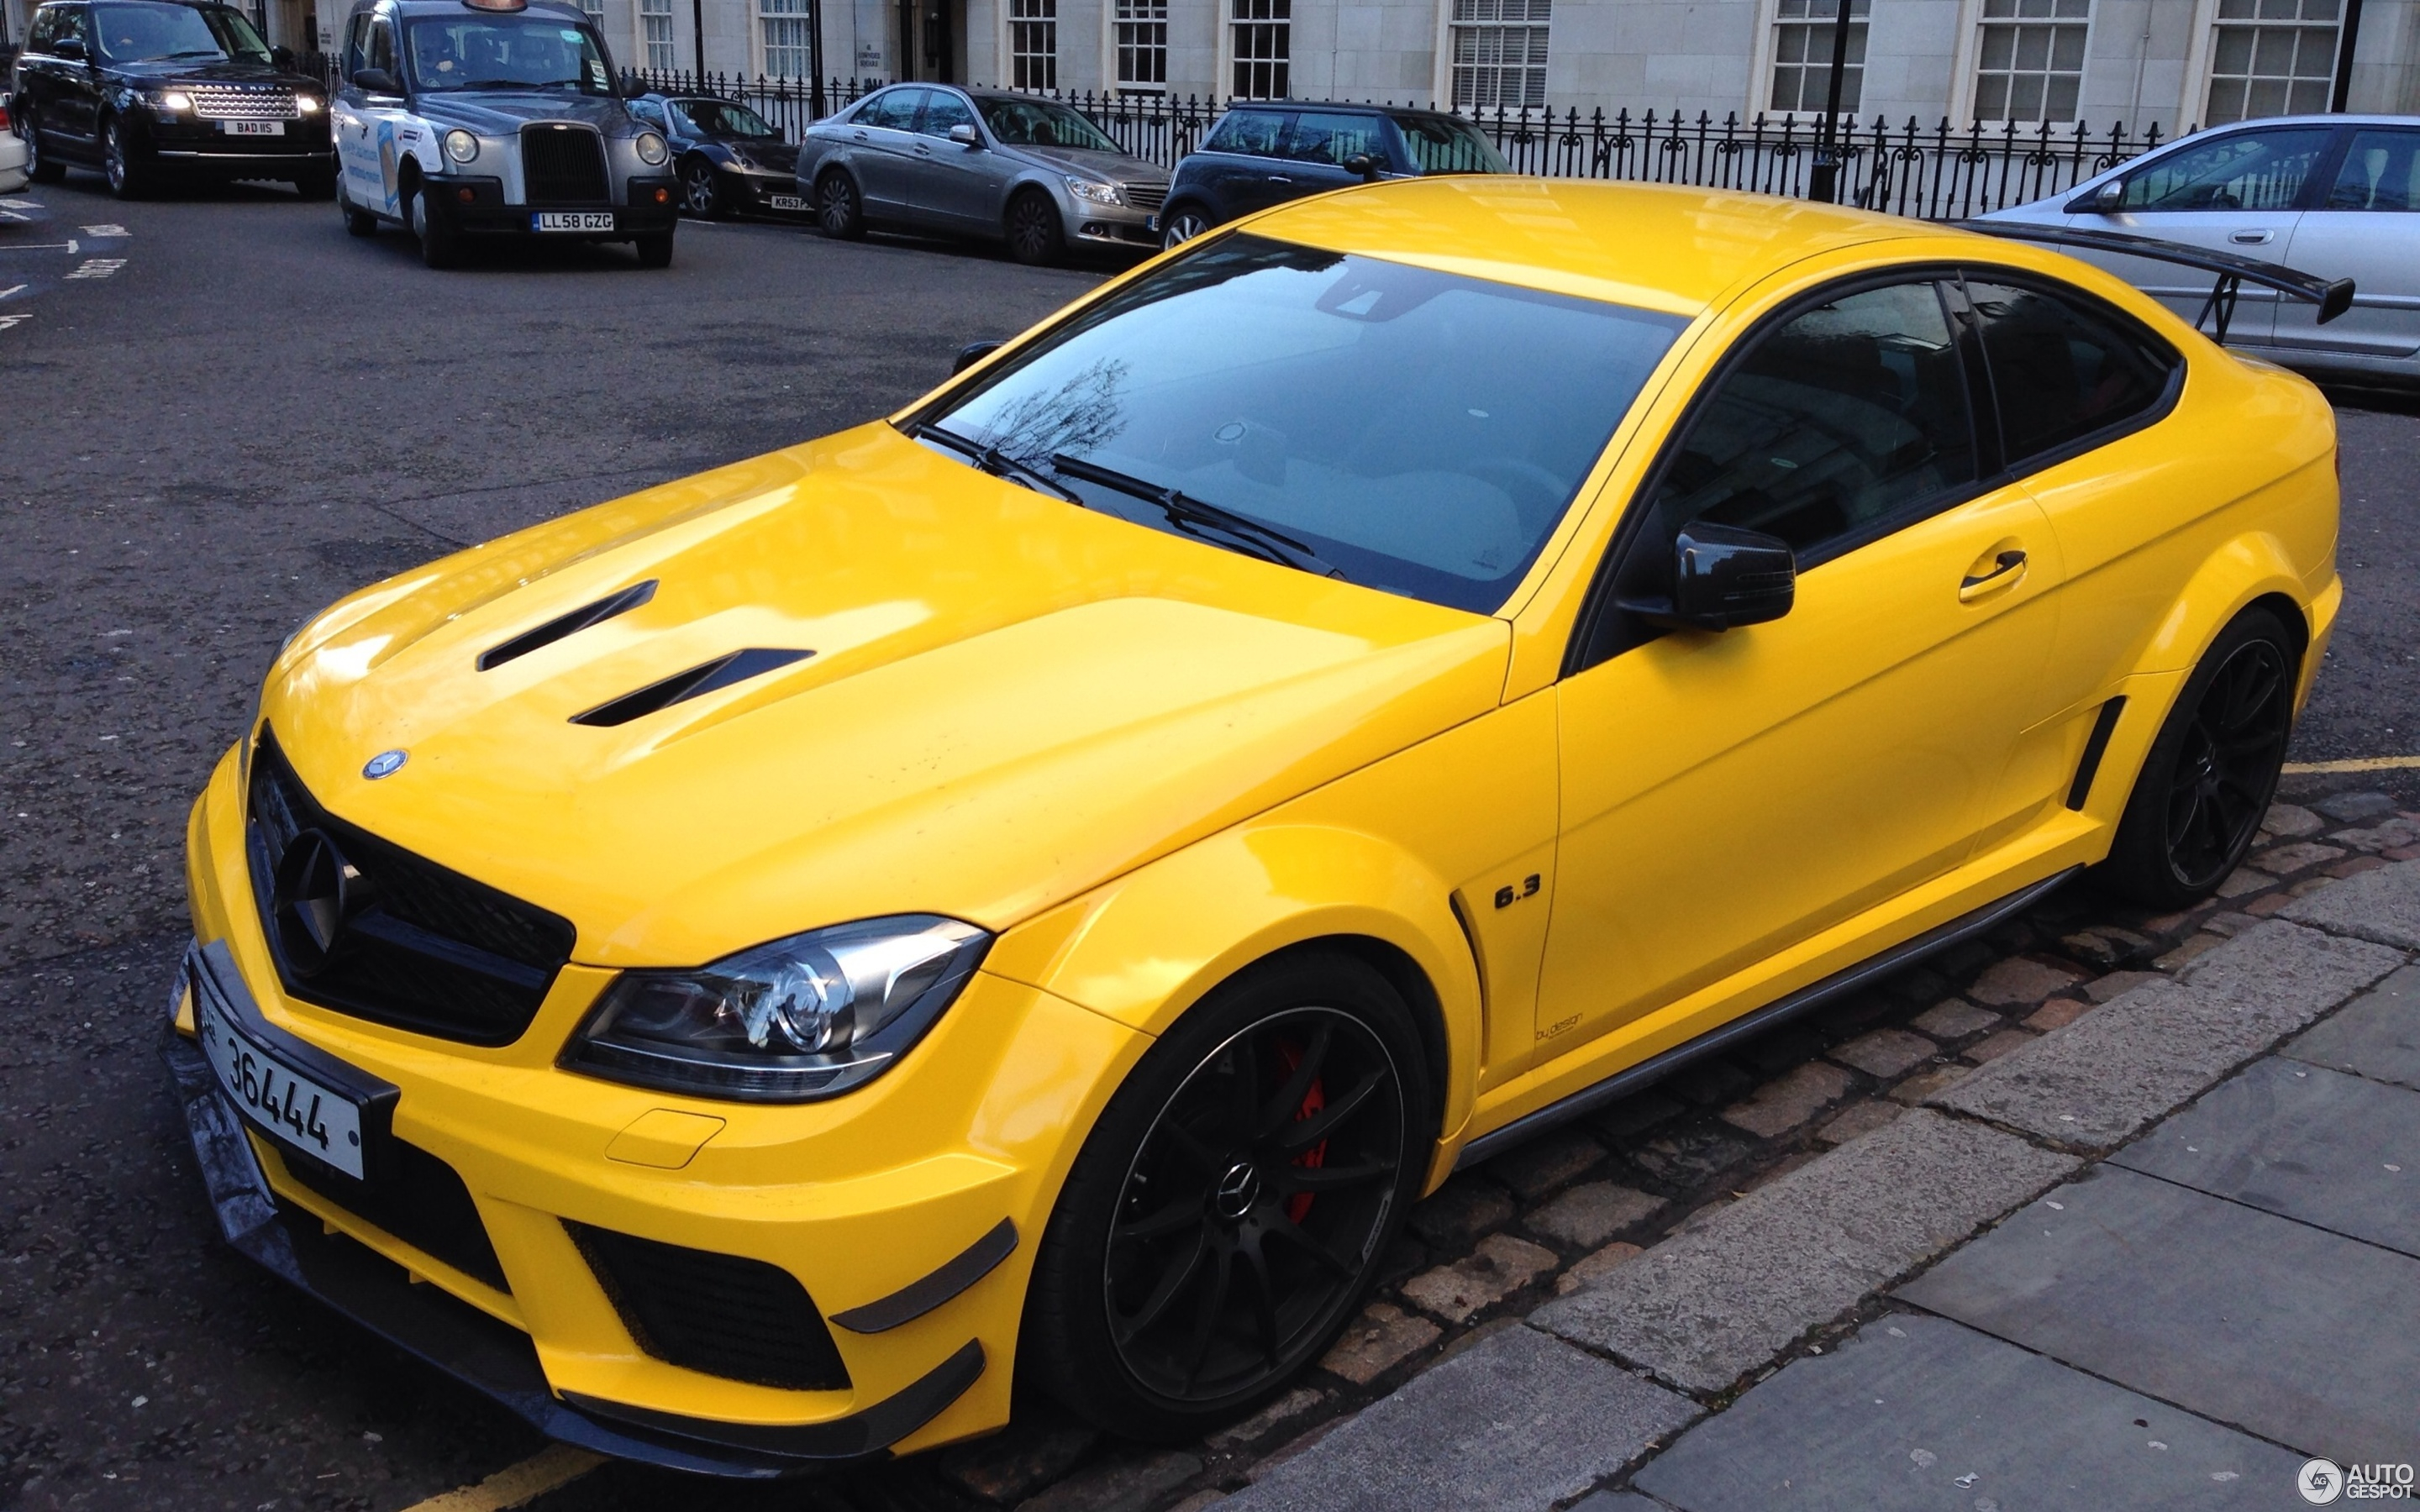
column 893, row 110
column 44, row 31
column 1253, row 133
column 1319, row 136
column 2381, row 171
column 943, row 110
column 2061, row 370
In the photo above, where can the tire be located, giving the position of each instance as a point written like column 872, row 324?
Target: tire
column 2199, row 799
column 702, row 191
column 316, row 184
column 358, row 222
column 1035, row 234
column 125, row 163
column 439, row 245
column 40, row 166
column 838, row 212
column 655, row 250
column 1123, row 1280
column 1182, row 224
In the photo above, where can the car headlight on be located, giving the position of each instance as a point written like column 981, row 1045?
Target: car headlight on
column 807, row 1017
column 462, row 146
column 173, row 100
column 1100, row 194
column 652, row 150
column 306, row 104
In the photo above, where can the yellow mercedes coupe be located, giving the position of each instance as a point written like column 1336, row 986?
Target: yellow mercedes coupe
column 1039, row 885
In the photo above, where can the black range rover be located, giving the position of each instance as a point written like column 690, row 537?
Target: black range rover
column 144, row 89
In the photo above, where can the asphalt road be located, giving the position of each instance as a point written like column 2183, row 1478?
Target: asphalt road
column 222, row 413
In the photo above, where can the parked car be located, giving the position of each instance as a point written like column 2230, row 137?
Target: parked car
column 1032, row 173
column 1262, row 155
column 1038, row 885
column 2332, row 195
column 727, row 157
column 146, row 89
column 13, row 176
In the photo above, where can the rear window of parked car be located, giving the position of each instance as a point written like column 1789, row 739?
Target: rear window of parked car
column 1439, row 145
column 2061, row 370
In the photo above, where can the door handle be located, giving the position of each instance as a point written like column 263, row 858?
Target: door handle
column 2010, row 566
column 2250, row 239
column 860, row 135
column 1279, row 179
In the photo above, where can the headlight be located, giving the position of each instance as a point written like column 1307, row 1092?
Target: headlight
column 462, row 146
column 810, row 1016
column 652, row 150
column 174, row 99
column 1098, row 194
column 306, row 104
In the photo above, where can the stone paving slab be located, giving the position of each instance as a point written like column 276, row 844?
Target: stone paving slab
column 2376, row 1035
column 2299, row 1336
column 2382, row 905
column 2338, row 1151
column 1513, row 1423
column 1709, row 1304
column 1918, row 1414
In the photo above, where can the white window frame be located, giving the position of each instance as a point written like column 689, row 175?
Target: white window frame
column 1975, row 54
column 793, row 17
column 652, row 11
column 1032, row 22
column 1230, row 59
column 1818, row 14
column 1132, row 27
column 1474, row 52
column 2319, row 90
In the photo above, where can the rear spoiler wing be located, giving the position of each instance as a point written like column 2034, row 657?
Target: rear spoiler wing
column 2333, row 296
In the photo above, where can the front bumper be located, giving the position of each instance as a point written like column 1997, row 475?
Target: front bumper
column 755, row 191
column 1107, row 225
column 475, row 206
column 200, row 144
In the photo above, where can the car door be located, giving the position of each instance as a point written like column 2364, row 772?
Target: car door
column 371, row 150
column 881, row 137
column 2366, row 227
column 73, row 110
column 1319, row 141
column 1727, row 797
column 951, row 185
column 2237, row 191
column 1242, row 164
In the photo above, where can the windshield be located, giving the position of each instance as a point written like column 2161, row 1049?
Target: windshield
column 1038, row 123
column 720, row 117
column 506, row 52
column 1441, row 144
column 133, row 33
column 1421, row 431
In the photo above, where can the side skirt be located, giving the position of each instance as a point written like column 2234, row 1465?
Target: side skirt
column 1648, row 1072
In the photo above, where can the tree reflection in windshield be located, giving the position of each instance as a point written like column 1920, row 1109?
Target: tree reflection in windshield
column 1082, row 414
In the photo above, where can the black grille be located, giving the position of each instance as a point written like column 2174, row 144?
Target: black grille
column 721, row 1314
column 418, row 1198
column 563, row 166
column 421, row 948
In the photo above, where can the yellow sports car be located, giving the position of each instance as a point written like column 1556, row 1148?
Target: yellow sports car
column 1039, row 885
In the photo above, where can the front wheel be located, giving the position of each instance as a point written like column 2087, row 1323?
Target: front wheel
column 1036, row 237
column 1183, row 225
column 316, row 184
column 2199, row 799
column 1229, row 1208
column 439, row 245
column 655, row 250
column 358, row 222
column 124, row 163
column 839, row 213
column 40, row 165
column 702, row 190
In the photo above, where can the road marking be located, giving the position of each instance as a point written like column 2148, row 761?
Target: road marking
column 14, row 288
column 557, row 1465
column 105, row 230
column 97, row 268
column 9, row 320
column 21, row 204
column 67, row 246
column 2365, row 763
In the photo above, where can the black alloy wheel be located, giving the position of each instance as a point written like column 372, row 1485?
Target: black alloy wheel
column 1182, row 225
column 702, row 190
column 838, row 211
column 40, row 165
column 2208, row 781
column 122, row 162
column 1229, row 1211
column 1036, row 237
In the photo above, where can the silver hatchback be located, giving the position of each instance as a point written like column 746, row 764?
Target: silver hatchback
column 979, row 163
column 2335, row 197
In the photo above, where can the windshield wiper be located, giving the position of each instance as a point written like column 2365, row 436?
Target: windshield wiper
column 998, row 464
column 1197, row 515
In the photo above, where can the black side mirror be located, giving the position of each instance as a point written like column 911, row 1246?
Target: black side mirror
column 70, row 48
column 282, row 58
column 376, row 81
column 1367, row 166
column 971, row 353
column 1723, row 577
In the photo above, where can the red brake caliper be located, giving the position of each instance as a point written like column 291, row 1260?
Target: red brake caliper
column 1313, row 1099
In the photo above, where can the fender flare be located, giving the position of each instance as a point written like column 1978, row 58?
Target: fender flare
column 2244, row 570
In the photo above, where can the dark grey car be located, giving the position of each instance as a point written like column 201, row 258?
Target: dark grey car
column 978, row 163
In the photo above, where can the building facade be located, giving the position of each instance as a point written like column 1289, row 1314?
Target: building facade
column 2139, row 63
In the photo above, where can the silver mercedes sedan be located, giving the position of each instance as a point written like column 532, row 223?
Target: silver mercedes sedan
column 978, row 163
column 2329, row 195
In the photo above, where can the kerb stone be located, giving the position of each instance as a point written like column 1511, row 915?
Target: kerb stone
column 2382, row 905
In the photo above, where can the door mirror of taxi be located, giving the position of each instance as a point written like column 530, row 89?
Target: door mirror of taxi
column 376, row 81
column 964, row 135
column 1364, row 165
column 972, row 353
column 1723, row 577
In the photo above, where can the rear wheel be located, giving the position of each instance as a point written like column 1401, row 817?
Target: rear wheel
column 1035, row 234
column 358, row 222
column 702, row 190
column 316, row 183
column 1229, row 1208
column 125, row 163
column 40, row 165
column 1183, row 225
column 439, row 245
column 655, row 250
column 838, row 212
column 2206, row 784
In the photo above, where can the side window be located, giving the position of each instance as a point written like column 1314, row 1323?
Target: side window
column 1319, row 137
column 357, row 41
column 1848, row 418
column 2381, row 171
column 379, row 50
column 1251, row 133
column 2239, row 171
column 44, row 31
column 893, row 110
column 943, row 110
column 2061, row 370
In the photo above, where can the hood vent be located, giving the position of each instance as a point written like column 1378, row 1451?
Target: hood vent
column 564, row 625
column 705, row 678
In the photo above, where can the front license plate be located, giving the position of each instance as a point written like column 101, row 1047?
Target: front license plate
column 287, row 1103
column 253, row 128
column 573, row 221
column 786, row 202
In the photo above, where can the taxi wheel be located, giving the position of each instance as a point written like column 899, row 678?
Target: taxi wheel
column 838, row 210
column 123, row 162
column 440, row 247
column 1036, row 237
column 40, row 165
column 358, row 222
column 656, row 251
column 702, row 191
column 2199, row 801
column 1229, row 1211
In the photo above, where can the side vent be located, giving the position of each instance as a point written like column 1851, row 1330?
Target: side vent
column 564, row 625
column 724, row 1315
column 2095, row 745
column 681, row 687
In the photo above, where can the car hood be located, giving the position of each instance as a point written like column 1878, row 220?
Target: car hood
column 1011, row 701
column 501, row 113
column 1115, row 167
column 781, row 156
column 226, row 71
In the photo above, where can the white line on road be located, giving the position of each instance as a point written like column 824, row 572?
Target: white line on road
column 14, row 288
column 557, row 1465
column 105, row 230
column 9, row 320
column 97, row 268
column 67, row 246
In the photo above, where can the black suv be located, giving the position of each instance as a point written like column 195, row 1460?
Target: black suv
column 140, row 88
column 1259, row 155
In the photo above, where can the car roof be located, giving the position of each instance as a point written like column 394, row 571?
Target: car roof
column 1347, row 107
column 2302, row 120
column 456, row 7
column 1655, row 246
